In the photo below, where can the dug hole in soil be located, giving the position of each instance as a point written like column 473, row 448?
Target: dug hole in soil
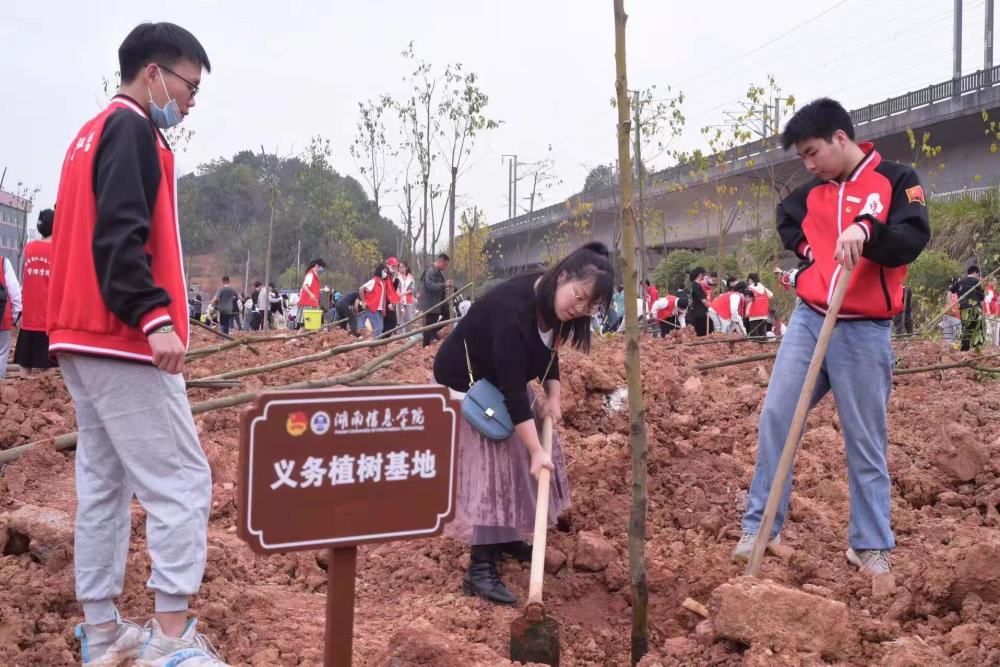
column 944, row 462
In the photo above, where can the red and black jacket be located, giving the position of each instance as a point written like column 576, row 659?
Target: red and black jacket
column 886, row 200
column 117, row 273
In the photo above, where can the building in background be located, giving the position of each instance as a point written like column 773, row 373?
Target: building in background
column 13, row 218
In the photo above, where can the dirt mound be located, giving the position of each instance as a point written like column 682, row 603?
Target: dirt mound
column 702, row 441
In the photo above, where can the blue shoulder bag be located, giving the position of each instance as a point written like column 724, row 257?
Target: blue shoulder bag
column 484, row 408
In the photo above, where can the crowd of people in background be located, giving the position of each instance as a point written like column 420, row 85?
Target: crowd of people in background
column 390, row 302
column 744, row 308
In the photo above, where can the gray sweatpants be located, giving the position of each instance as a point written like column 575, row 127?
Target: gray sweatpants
column 136, row 436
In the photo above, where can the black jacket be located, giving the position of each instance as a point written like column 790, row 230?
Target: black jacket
column 501, row 330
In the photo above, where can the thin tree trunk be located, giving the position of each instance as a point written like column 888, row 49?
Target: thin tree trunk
column 451, row 211
column 265, row 292
column 637, row 416
column 641, row 223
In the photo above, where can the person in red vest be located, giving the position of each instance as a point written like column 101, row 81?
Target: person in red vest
column 373, row 294
column 725, row 311
column 652, row 294
column 390, row 319
column 664, row 312
column 759, row 307
column 311, row 285
column 117, row 318
column 991, row 311
column 951, row 323
column 32, row 350
column 711, row 280
column 407, row 287
column 10, row 308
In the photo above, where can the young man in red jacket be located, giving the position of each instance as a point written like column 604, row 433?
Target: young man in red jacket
column 861, row 213
column 118, row 322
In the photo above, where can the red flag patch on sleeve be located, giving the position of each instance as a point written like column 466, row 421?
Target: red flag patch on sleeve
column 916, row 194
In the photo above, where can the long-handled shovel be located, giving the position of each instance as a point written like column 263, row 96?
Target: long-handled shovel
column 534, row 637
column 798, row 420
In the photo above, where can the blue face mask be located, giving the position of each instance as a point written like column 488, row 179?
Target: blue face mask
column 167, row 116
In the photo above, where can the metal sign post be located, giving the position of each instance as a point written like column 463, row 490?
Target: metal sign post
column 336, row 468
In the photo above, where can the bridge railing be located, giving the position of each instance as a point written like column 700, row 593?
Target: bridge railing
column 932, row 94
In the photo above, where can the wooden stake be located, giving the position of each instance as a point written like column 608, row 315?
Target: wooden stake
column 325, row 354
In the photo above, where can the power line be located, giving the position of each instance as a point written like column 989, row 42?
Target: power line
column 766, row 44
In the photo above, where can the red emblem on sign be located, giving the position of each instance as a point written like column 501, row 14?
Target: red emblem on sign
column 297, row 423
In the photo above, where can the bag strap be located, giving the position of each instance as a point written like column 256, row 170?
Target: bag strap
column 468, row 364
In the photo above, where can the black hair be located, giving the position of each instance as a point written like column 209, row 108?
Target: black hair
column 161, row 43
column 713, row 274
column 973, row 269
column 256, row 283
column 589, row 261
column 225, row 279
column 646, row 282
column 45, row 220
column 316, row 262
column 377, row 273
column 444, row 256
column 753, row 277
column 695, row 272
column 820, row 119
column 740, row 286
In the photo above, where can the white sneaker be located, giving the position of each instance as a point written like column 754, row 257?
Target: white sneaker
column 189, row 650
column 744, row 547
column 107, row 648
column 873, row 561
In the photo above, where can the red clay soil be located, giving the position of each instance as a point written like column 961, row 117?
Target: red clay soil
column 944, row 461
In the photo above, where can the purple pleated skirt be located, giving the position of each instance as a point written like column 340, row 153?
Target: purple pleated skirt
column 495, row 494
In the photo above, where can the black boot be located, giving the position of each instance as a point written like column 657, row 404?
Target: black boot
column 482, row 578
column 519, row 549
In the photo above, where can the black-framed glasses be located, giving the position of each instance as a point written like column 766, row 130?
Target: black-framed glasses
column 592, row 309
column 192, row 88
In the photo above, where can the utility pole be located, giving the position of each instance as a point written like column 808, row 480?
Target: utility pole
column 510, row 191
column 511, row 185
column 988, row 39
column 956, row 72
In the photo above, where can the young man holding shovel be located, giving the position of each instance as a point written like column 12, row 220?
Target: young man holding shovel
column 118, row 321
column 867, row 216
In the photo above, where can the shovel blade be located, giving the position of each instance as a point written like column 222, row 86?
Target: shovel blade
column 535, row 641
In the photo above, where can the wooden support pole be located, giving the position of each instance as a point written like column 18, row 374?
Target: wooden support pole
column 325, row 354
column 68, row 440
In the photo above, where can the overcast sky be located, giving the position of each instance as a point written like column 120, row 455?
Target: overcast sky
column 286, row 71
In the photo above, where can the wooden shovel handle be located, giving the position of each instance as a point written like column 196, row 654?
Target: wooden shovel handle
column 798, row 420
column 541, row 520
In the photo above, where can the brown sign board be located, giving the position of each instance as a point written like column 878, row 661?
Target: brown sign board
column 334, row 468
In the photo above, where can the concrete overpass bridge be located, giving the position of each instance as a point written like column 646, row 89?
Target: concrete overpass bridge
column 678, row 217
